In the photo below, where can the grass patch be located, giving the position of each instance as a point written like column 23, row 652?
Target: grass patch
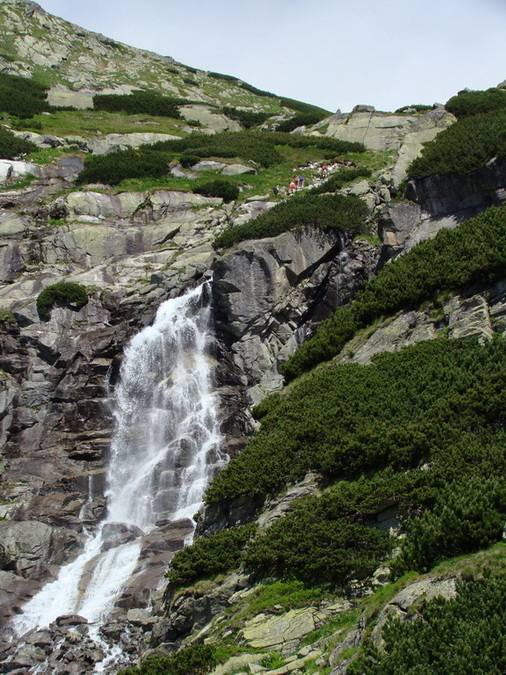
column 344, row 621
column 88, row 123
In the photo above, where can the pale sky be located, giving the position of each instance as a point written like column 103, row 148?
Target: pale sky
column 332, row 53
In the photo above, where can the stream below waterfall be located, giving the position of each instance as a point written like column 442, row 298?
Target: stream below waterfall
column 164, row 451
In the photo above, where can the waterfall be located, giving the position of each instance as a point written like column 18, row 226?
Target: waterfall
column 164, row 451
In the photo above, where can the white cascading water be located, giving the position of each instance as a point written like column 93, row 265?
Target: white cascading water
column 164, row 451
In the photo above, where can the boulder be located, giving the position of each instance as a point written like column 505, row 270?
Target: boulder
column 24, row 547
column 11, row 170
column 209, row 165
column 281, row 633
column 208, row 118
column 116, row 534
column 238, row 169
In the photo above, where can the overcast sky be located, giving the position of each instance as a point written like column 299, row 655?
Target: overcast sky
column 332, row 53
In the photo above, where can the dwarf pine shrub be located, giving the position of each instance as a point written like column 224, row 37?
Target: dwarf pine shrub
column 218, row 188
column 461, row 635
column 475, row 102
column 464, row 147
column 209, row 556
column 67, row 294
column 11, row 146
column 21, row 96
column 139, row 102
column 323, row 211
column 111, row 169
column 303, row 119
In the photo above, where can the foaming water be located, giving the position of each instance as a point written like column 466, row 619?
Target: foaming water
column 164, row 451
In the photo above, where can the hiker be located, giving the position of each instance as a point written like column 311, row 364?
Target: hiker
column 301, row 182
column 293, row 187
column 275, row 189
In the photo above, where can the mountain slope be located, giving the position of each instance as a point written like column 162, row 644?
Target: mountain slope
column 376, row 462
column 75, row 63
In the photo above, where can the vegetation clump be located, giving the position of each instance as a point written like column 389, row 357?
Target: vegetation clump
column 322, row 541
column 417, row 107
column 340, row 178
column 209, row 556
column 193, row 660
column 461, row 635
column 218, row 188
column 465, row 146
column 246, row 118
column 111, row 169
column 325, row 212
column 139, row 102
column 11, row 146
column 21, row 96
column 222, row 76
column 302, row 119
column 470, row 103
column 67, row 294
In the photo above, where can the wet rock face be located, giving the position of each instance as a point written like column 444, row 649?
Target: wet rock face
column 269, row 294
column 463, row 196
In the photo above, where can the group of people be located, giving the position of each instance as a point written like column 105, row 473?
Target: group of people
column 320, row 171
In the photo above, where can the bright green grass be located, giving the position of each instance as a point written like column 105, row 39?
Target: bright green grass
column 89, row 122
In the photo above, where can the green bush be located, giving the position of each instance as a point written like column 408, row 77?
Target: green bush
column 254, row 90
column 139, row 102
column 439, row 400
column 11, row 146
column 188, row 160
column 246, row 118
column 302, row 107
column 464, row 147
column 462, row 635
column 218, row 188
column 209, row 556
column 474, row 102
column 422, row 430
column 221, row 76
column 245, row 145
column 67, row 294
column 467, row 517
column 305, row 119
column 193, row 660
column 322, row 541
column 21, row 96
column 419, row 107
column 473, row 253
column 111, row 169
column 325, row 211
